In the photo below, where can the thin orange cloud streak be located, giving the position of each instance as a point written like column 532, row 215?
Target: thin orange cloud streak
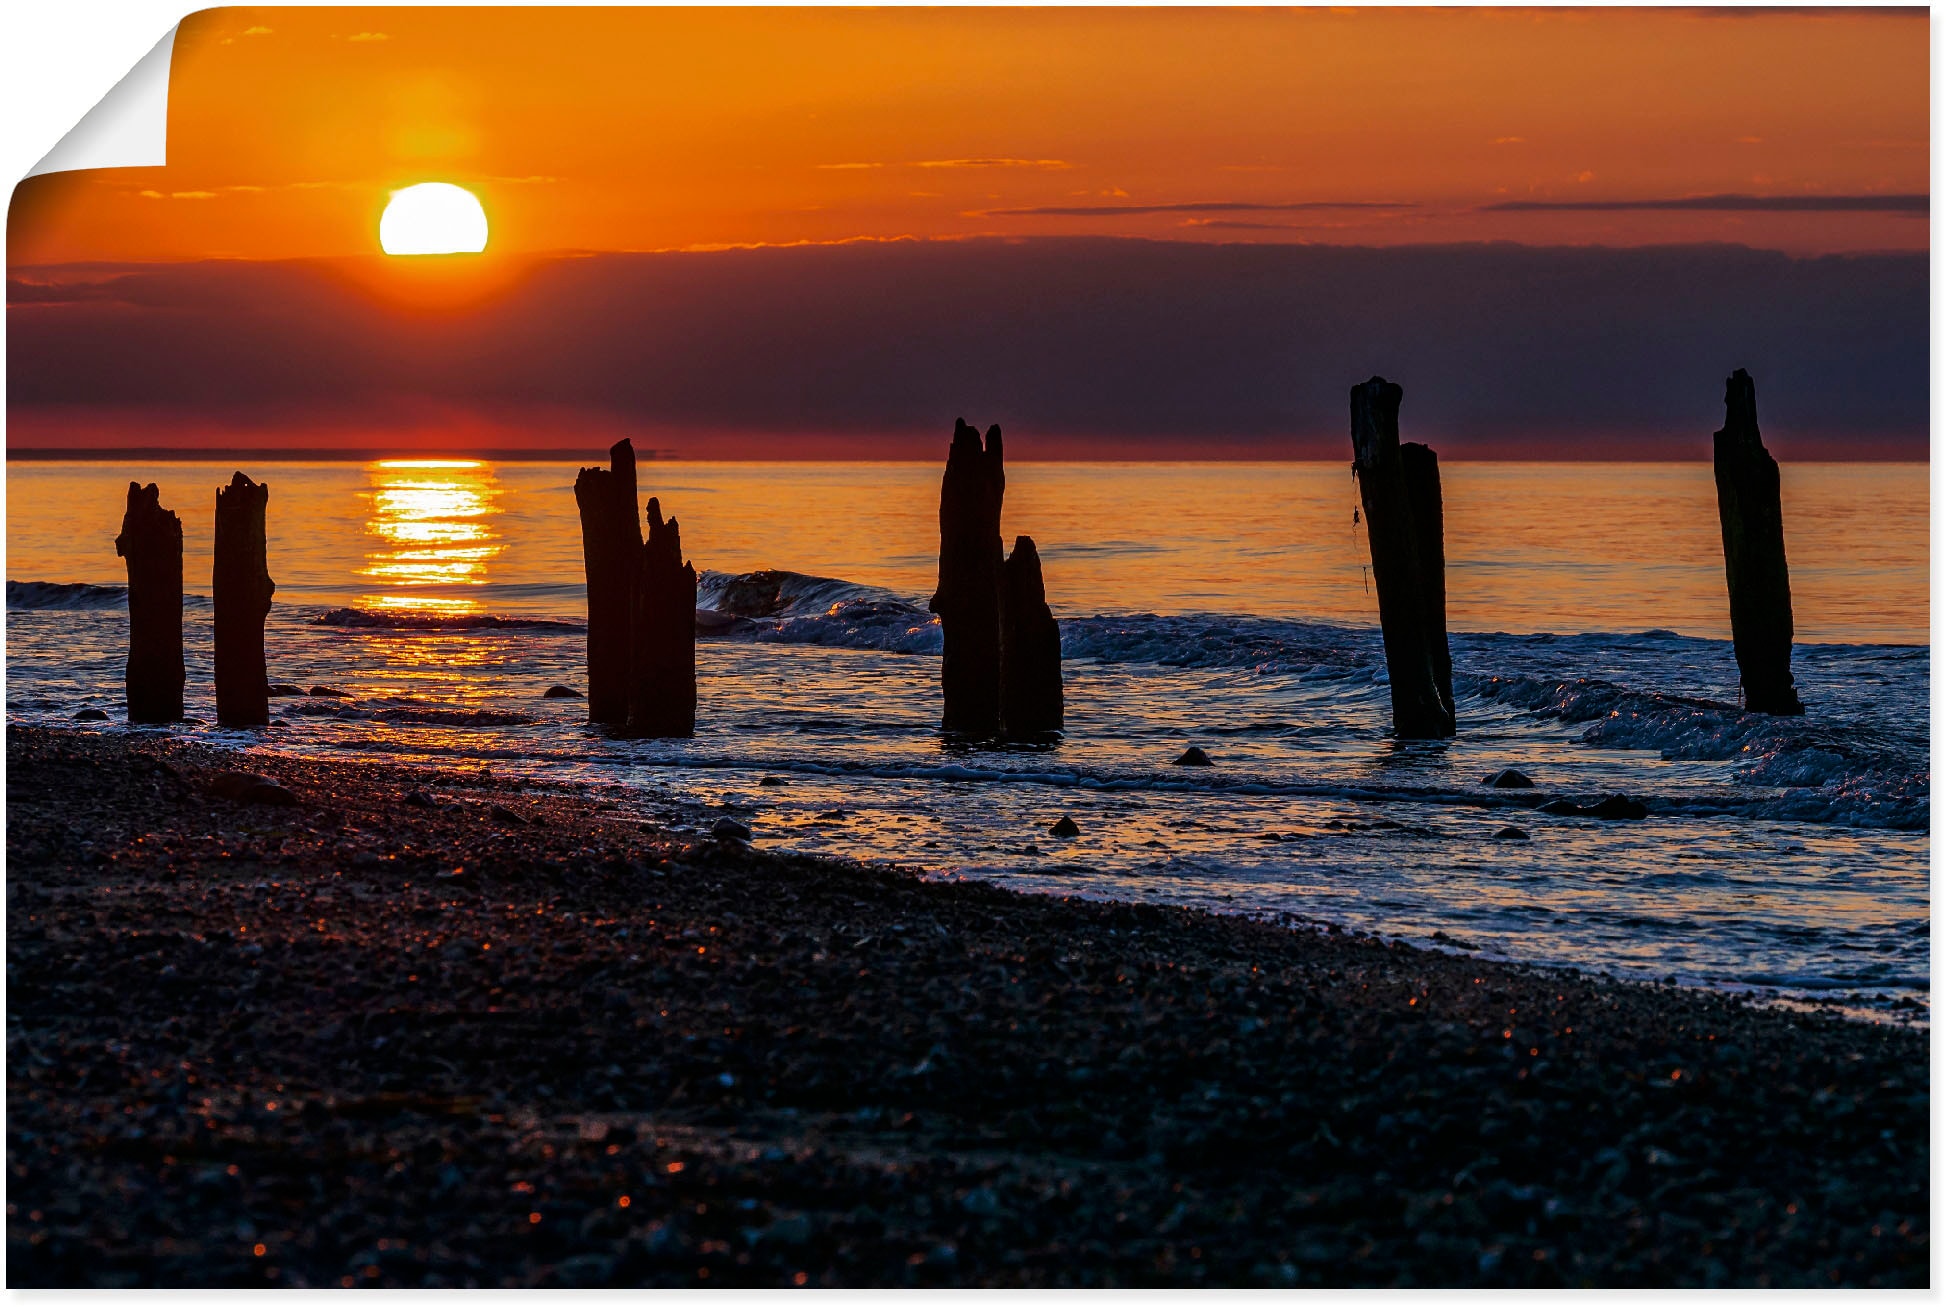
column 643, row 129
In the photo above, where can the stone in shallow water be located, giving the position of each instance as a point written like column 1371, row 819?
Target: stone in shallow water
column 1064, row 829
column 91, row 715
column 1510, row 833
column 729, row 828
column 284, row 691
column 1194, row 757
column 562, row 692
column 1509, row 779
column 327, row 692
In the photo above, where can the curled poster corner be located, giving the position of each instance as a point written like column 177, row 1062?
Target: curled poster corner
column 129, row 128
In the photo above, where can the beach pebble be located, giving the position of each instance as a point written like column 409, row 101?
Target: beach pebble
column 1064, row 829
column 1510, row 833
column 91, row 715
column 1509, row 779
column 562, row 692
column 507, row 815
column 729, row 828
column 1194, row 757
column 421, row 799
column 326, row 692
column 248, row 787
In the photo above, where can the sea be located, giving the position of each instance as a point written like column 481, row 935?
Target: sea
column 1227, row 606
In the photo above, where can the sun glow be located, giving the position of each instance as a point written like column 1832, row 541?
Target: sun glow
column 433, row 218
column 432, row 519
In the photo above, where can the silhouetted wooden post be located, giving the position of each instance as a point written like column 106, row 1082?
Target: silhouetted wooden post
column 1421, row 467
column 151, row 542
column 662, row 691
column 1400, row 490
column 1748, row 498
column 611, row 550
column 1030, row 649
column 240, row 591
column 968, row 598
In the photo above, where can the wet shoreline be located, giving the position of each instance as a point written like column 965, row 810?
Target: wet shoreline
column 485, row 1023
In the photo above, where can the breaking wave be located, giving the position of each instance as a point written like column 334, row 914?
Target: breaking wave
column 73, row 596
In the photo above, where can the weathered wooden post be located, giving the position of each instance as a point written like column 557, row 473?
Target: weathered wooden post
column 1399, row 486
column 1030, row 649
column 662, row 689
column 151, row 542
column 1748, row 499
column 968, row 598
column 611, row 551
column 240, row 591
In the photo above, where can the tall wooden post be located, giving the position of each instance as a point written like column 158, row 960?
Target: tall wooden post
column 1030, row 649
column 662, row 689
column 240, row 591
column 1749, row 500
column 1399, row 487
column 151, row 542
column 968, row 598
column 611, row 549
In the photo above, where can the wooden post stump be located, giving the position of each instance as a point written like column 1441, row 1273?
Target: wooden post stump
column 1399, row 487
column 662, row 690
column 611, row 550
column 1749, row 500
column 1030, row 649
column 240, row 591
column 968, row 598
column 151, row 542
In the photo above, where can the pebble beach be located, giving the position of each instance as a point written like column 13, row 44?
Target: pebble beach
column 287, row 1022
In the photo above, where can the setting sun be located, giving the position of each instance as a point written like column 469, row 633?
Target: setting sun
column 433, row 218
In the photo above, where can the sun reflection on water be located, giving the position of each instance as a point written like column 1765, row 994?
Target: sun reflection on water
column 433, row 521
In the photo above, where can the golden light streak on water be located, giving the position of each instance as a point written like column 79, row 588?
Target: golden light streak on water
column 433, row 521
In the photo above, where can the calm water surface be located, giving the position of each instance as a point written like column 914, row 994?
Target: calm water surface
column 1224, row 604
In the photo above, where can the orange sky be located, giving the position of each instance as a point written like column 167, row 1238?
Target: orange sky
column 673, row 129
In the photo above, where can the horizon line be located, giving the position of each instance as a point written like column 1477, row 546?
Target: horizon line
column 221, row 454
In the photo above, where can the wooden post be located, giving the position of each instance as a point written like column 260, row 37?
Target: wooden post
column 1400, row 492
column 1421, row 467
column 611, row 551
column 240, row 591
column 151, row 542
column 968, row 598
column 1030, row 649
column 1749, row 501
column 662, row 690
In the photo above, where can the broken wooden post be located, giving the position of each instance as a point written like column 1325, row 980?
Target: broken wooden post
column 611, row 551
column 151, row 542
column 662, row 690
column 1748, row 500
column 1030, row 649
column 240, row 591
column 1399, row 486
column 968, row 598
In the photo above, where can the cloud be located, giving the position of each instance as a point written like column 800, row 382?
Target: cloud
column 368, row 36
column 256, row 31
column 1118, row 347
column 1050, row 165
column 1200, row 206
column 1046, row 165
column 1509, row 140
column 1919, row 205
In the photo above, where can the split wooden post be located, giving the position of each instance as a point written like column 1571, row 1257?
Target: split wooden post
column 611, row 551
column 968, row 598
column 662, row 689
column 1399, row 487
column 240, row 591
column 1749, row 500
column 1030, row 649
column 151, row 543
